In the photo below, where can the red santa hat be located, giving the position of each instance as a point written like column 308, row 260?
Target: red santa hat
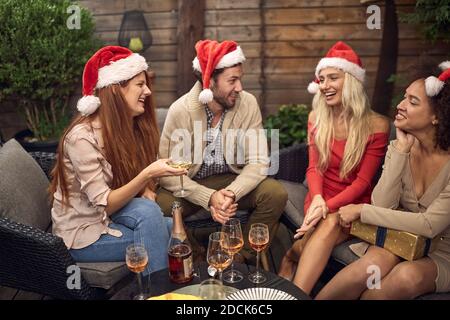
column 213, row 55
column 434, row 85
column 340, row 56
column 109, row 65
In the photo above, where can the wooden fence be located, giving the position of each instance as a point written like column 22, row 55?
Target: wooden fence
column 282, row 40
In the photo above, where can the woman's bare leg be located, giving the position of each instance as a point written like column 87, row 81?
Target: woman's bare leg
column 351, row 281
column 407, row 280
column 317, row 251
column 290, row 260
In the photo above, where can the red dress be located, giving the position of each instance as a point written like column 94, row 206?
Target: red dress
column 357, row 187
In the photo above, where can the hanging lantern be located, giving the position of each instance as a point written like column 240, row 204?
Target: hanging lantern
column 134, row 33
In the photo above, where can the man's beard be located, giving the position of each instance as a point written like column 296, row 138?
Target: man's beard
column 223, row 102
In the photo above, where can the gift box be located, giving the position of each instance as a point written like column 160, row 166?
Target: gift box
column 404, row 244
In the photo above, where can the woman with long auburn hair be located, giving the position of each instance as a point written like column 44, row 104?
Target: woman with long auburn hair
column 104, row 180
column 347, row 142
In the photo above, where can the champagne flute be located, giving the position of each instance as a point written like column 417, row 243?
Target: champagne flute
column 258, row 237
column 137, row 260
column 233, row 242
column 217, row 256
column 180, row 164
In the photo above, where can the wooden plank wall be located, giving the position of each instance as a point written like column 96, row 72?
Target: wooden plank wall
column 297, row 34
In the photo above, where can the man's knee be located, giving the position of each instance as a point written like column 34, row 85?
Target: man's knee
column 165, row 200
column 272, row 192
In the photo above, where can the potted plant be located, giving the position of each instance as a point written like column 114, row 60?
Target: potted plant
column 43, row 56
column 292, row 123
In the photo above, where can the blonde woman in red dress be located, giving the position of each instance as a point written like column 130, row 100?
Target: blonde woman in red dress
column 347, row 142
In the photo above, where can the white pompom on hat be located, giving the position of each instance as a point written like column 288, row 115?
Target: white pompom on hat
column 109, row 65
column 340, row 56
column 433, row 85
column 213, row 55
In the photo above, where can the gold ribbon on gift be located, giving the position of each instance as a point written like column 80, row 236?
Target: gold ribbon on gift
column 404, row 244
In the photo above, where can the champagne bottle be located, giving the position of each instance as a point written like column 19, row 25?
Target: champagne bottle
column 180, row 250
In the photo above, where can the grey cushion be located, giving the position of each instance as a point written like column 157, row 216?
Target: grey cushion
column 161, row 114
column 23, row 187
column 296, row 198
column 343, row 254
column 103, row 274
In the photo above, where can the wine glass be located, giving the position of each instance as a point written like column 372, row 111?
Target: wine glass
column 258, row 237
column 212, row 289
column 180, row 164
column 233, row 242
column 137, row 260
column 217, row 256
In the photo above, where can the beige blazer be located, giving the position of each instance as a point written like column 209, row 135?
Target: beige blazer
column 428, row 216
column 188, row 113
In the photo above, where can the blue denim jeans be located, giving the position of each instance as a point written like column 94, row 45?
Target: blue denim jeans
column 140, row 221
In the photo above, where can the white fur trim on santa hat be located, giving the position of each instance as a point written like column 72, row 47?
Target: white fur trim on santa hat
column 230, row 59
column 88, row 105
column 313, row 87
column 205, row 96
column 196, row 65
column 121, row 70
column 433, row 86
column 444, row 65
column 344, row 65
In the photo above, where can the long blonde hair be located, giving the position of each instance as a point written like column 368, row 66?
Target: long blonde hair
column 356, row 114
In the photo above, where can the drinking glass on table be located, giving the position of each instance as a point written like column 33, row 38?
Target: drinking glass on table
column 217, row 256
column 137, row 260
column 182, row 163
column 233, row 242
column 258, row 237
column 212, row 289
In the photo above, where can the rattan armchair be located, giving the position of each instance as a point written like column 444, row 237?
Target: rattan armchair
column 34, row 260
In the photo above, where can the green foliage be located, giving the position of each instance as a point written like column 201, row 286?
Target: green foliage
column 292, row 121
column 42, row 60
column 434, row 15
column 399, row 81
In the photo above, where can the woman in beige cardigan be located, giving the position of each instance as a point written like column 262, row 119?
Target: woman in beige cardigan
column 416, row 178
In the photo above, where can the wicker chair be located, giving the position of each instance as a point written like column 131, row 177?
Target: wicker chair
column 35, row 260
column 31, row 258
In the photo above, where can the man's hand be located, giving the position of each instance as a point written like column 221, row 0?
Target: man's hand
column 222, row 205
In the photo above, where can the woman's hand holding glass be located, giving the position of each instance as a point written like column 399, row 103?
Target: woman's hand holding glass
column 161, row 168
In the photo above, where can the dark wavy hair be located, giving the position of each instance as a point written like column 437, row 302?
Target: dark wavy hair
column 426, row 67
column 214, row 75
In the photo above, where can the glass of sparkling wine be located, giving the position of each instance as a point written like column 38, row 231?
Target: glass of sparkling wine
column 233, row 242
column 217, row 256
column 137, row 260
column 258, row 237
column 180, row 164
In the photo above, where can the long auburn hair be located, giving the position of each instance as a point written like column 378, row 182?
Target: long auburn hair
column 356, row 113
column 130, row 144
